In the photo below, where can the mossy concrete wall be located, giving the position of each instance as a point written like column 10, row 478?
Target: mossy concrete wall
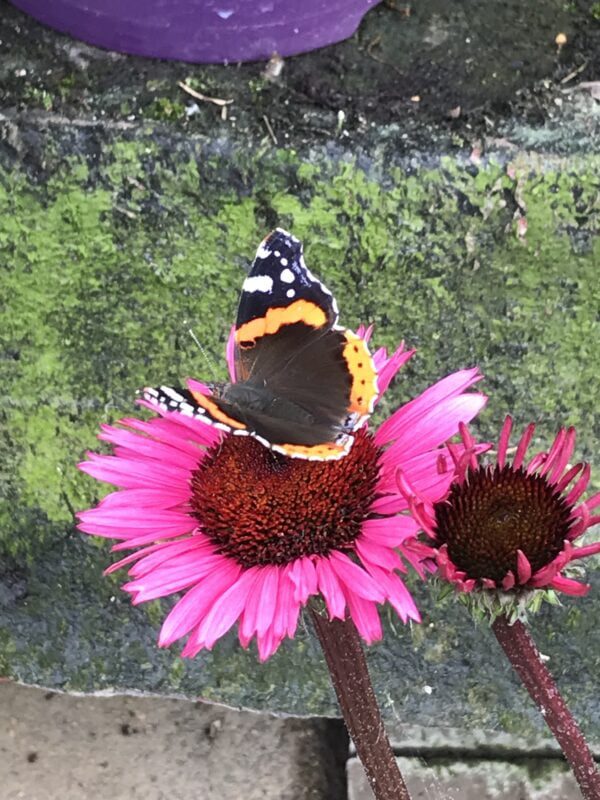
column 117, row 234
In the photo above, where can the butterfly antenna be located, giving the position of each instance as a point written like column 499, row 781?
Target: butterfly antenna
column 207, row 358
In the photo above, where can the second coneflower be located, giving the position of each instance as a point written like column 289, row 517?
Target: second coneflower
column 511, row 526
column 504, row 535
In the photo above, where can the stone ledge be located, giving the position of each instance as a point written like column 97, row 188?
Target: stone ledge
column 454, row 779
column 150, row 228
column 58, row 747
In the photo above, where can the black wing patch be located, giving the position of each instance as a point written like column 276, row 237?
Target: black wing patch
column 278, row 278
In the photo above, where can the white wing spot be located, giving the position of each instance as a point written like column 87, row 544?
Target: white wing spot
column 263, row 252
column 290, row 293
column 276, row 253
column 258, row 283
column 284, row 262
column 171, row 393
column 287, row 276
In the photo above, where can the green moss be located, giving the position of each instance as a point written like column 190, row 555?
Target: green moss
column 7, row 651
column 511, row 721
column 155, row 612
column 176, row 673
column 38, row 98
column 165, row 109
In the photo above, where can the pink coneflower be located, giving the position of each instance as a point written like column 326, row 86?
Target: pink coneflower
column 250, row 535
column 503, row 536
column 510, row 526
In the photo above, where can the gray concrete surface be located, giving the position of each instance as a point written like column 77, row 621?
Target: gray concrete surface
column 60, row 747
column 476, row 779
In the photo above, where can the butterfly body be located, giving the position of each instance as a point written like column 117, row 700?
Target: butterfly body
column 303, row 384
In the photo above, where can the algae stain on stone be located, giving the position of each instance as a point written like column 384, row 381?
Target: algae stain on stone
column 45, row 242
column 94, row 299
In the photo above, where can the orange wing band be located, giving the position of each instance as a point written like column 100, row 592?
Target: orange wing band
column 364, row 390
column 321, row 452
column 215, row 412
column 275, row 318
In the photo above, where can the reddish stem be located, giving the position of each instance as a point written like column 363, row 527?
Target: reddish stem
column 522, row 653
column 350, row 677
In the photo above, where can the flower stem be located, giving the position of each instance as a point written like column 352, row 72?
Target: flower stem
column 517, row 643
column 350, row 677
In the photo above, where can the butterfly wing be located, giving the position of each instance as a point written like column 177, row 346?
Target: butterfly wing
column 288, row 344
column 247, row 413
column 303, row 383
column 205, row 407
column 280, row 290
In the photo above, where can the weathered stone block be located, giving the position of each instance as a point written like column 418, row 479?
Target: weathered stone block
column 59, row 747
column 456, row 779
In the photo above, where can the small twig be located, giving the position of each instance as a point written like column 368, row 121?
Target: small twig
column 575, row 72
column 373, row 43
column 404, row 10
column 369, row 51
column 270, row 129
column 126, row 212
column 134, row 182
column 217, row 101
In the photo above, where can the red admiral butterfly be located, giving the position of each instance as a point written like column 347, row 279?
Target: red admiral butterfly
column 303, row 384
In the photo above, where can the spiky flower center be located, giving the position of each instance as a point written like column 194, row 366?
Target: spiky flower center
column 494, row 513
column 263, row 508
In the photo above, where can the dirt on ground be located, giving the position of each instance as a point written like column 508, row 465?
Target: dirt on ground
column 462, row 67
